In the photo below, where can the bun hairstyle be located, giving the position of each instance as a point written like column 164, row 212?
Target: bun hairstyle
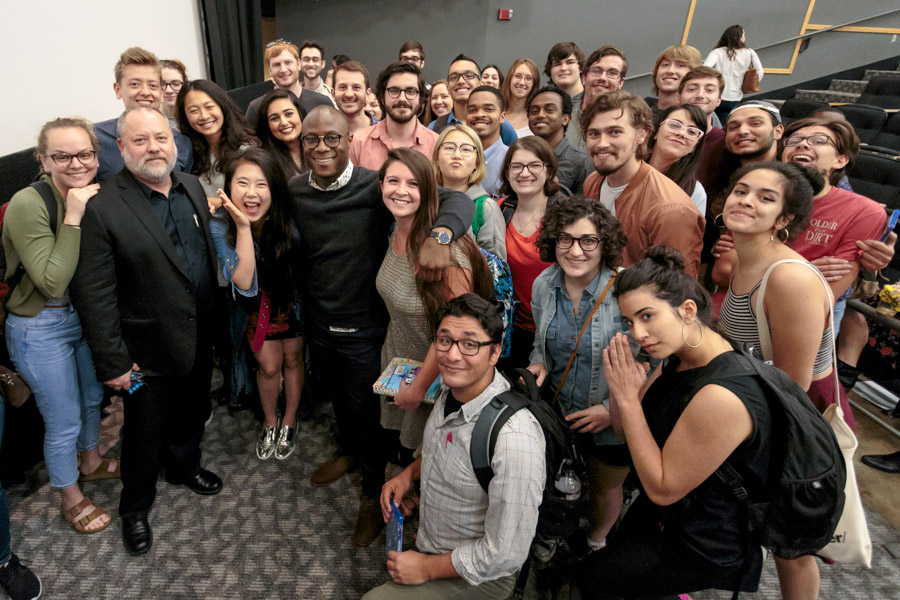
column 801, row 184
column 662, row 271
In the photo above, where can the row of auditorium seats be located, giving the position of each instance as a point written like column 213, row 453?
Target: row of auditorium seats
column 874, row 125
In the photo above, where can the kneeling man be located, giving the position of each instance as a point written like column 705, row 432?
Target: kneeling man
column 470, row 543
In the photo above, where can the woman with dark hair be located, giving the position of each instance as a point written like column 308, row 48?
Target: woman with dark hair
column 279, row 126
column 216, row 127
column 174, row 74
column 255, row 247
column 732, row 58
column 584, row 242
column 523, row 77
column 409, row 191
column 686, row 531
column 768, row 205
column 439, row 102
column 43, row 331
column 528, row 179
column 492, row 76
column 677, row 147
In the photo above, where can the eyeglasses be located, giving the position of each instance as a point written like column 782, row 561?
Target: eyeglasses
column 175, row 85
column 523, row 76
column 564, row 241
column 85, row 157
column 279, row 41
column 535, row 168
column 411, row 58
column 450, row 148
column 816, row 139
column 468, row 76
column 466, row 347
column 610, row 73
column 311, row 141
column 411, row 93
column 679, row 127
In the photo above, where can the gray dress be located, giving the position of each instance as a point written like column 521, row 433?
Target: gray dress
column 408, row 335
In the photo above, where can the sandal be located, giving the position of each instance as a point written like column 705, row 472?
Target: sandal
column 83, row 514
column 109, row 468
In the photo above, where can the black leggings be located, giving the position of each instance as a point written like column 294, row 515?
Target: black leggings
column 639, row 564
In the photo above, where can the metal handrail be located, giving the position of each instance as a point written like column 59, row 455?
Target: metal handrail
column 798, row 37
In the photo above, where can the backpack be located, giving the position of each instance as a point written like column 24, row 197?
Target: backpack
column 798, row 511
column 6, row 287
column 558, row 517
column 478, row 221
column 503, row 293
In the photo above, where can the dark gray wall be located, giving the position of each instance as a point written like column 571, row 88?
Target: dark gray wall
column 373, row 30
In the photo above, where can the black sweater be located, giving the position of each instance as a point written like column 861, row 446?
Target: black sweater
column 344, row 238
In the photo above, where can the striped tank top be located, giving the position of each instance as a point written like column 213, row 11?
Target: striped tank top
column 738, row 321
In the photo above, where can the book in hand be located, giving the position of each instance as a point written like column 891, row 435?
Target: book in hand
column 394, row 530
column 401, row 370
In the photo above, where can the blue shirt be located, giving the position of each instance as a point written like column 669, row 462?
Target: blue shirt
column 228, row 256
column 507, row 131
column 493, row 163
column 110, row 158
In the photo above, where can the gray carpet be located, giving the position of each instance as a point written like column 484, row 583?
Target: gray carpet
column 269, row 534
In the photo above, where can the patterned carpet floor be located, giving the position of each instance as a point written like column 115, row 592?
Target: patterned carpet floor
column 269, row 534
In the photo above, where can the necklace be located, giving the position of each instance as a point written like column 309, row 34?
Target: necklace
column 527, row 225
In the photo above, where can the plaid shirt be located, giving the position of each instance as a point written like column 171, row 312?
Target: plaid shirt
column 489, row 534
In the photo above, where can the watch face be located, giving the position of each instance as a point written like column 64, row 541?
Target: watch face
column 442, row 237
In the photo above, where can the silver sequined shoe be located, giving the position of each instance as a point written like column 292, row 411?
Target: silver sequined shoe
column 287, row 441
column 265, row 445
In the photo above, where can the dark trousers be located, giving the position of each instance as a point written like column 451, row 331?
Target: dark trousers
column 348, row 364
column 163, row 426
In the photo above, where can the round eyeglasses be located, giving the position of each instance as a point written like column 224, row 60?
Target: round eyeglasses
column 564, row 241
column 678, row 127
column 332, row 140
column 816, row 139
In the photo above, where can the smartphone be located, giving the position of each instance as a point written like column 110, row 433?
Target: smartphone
column 394, row 530
column 137, row 382
column 890, row 224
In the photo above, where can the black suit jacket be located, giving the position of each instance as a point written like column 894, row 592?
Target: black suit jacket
column 131, row 289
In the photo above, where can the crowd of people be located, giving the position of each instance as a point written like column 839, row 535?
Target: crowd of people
column 332, row 227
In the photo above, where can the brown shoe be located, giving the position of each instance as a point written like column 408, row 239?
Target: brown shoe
column 369, row 523
column 331, row 470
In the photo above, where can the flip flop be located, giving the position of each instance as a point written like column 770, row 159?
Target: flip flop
column 109, row 468
column 83, row 514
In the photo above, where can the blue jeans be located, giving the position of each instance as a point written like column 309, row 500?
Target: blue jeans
column 4, row 505
column 52, row 355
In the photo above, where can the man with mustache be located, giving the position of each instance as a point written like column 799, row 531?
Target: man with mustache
column 400, row 89
column 144, row 290
column 651, row 208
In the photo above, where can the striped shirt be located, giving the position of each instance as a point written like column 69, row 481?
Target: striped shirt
column 488, row 533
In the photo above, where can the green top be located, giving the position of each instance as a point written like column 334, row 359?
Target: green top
column 49, row 263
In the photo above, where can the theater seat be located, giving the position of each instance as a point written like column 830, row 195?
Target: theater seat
column 883, row 92
column 877, row 176
column 796, row 108
column 889, row 136
column 866, row 120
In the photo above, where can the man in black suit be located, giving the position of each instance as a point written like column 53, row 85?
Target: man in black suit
column 144, row 290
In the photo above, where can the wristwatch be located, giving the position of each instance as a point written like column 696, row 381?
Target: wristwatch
column 442, row 237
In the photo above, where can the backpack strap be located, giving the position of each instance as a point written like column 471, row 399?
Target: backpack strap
column 478, row 221
column 43, row 188
column 508, row 207
column 484, row 437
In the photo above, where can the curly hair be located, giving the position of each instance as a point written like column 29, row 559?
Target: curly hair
column 845, row 141
column 563, row 213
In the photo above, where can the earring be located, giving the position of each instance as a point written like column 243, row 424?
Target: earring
column 684, row 336
column 777, row 234
column 719, row 217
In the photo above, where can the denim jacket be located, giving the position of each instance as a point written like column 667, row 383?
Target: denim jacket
column 607, row 321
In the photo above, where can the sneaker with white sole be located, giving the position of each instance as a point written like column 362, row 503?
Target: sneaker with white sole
column 19, row 582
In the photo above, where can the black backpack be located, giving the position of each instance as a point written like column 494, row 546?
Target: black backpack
column 46, row 193
column 798, row 511
column 558, row 516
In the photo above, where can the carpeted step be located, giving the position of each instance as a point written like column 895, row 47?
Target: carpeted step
column 826, row 96
column 848, row 85
column 870, row 73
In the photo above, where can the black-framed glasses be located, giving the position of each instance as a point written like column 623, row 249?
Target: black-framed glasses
column 535, row 168
column 85, row 157
column 175, row 85
column 564, row 241
column 610, row 73
column 467, row 75
column 679, row 127
column 411, row 93
column 450, row 148
column 279, row 41
column 466, row 347
column 311, row 141
column 411, row 58
column 816, row 139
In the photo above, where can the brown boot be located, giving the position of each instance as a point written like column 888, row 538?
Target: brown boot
column 331, row 470
column 369, row 523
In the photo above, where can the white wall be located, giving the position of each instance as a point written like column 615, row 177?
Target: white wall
column 57, row 56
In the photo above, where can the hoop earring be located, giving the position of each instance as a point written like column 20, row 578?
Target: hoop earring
column 684, row 337
column 777, row 234
column 717, row 218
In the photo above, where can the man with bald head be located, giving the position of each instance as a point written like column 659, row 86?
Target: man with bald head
column 344, row 226
column 144, row 291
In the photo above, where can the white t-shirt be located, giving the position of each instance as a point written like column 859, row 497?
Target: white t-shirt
column 609, row 194
column 733, row 70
